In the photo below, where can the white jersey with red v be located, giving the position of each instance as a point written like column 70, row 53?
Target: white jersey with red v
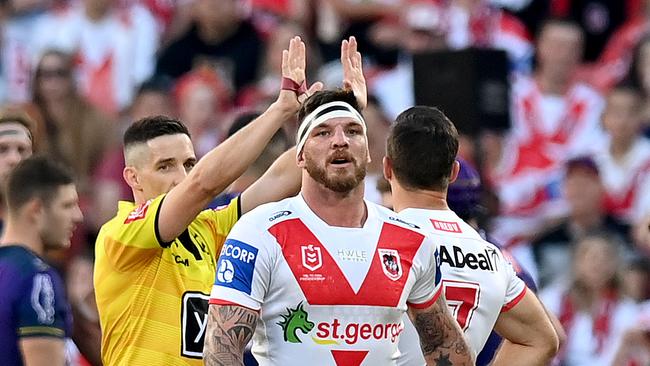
column 626, row 180
column 478, row 281
column 336, row 294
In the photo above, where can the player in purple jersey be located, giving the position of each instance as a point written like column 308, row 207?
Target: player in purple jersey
column 35, row 317
column 464, row 198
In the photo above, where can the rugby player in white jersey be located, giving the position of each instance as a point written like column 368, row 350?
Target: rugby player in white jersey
column 482, row 289
column 325, row 277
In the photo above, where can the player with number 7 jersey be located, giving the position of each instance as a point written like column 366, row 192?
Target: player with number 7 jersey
column 481, row 287
column 478, row 282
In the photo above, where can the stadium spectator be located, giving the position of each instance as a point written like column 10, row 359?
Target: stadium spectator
column 636, row 278
column 420, row 31
column 42, row 212
column 639, row 77
column 615, row 60
column 155, row 260
column 260, row 296
column 553, row 118
column 17, row 21
column 599, row 19
column 16, row 144
column 203, row 101
column 420, row 164
column 590, row 305
column 378, row 127
column 219, row 37
column 624, row 159
column 584, row 192
column 114, row 48
column 338, row 19
column 261, row 94
column 75, row 132
column 153, row 98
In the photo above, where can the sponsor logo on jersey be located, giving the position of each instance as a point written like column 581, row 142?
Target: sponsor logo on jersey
column 391, row 264
column 312, row 258
column 403, row 222
column 447, row 226
column 236, row 266
column 486, row 260
column 278, row 215
column 138, row 213
column 352, row 255
column 296, row 321
column 194, row 320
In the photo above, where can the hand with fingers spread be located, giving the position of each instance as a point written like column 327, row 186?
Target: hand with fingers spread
column 294, row 85
column 353, row 78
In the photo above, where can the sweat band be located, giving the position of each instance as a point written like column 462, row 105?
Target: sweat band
column 323, row 113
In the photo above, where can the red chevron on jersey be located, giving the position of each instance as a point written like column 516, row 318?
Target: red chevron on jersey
column 322, row 281
column 349, row 358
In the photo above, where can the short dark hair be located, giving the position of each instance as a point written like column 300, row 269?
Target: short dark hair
column 35, row 177
column 149, row 128
column 422, row 146
column 326, row 96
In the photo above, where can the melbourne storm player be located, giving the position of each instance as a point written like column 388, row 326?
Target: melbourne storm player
column 326, row 276
column 35, row 316
column 481, row 287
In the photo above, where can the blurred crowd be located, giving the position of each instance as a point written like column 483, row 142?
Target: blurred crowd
column 567, row 185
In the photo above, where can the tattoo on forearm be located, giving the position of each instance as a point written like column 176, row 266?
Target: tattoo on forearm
column 230, row 328
column 441, row 339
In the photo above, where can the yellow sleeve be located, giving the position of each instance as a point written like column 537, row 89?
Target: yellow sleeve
column 222, row 220
column 133, row 237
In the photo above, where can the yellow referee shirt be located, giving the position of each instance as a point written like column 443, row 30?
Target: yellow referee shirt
column 153, row 297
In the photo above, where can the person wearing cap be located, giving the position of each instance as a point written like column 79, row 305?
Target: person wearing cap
column 155, row 260
column 584, row 193
column 325, row 275
column 479, row 283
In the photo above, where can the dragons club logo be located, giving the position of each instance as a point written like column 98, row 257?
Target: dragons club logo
column 295, row 319
column 311, row 257
column 390, row 263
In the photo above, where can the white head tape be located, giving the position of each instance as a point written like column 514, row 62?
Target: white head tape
column 323, row 113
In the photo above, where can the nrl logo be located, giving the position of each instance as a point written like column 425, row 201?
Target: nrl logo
column 295, row 319
column 312, row 258
column 390, row 263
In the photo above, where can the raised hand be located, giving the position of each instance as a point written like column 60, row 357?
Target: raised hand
column 353, row 78
column 294, row 87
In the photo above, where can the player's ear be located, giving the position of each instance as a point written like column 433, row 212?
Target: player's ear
column 130, row 175
column 34, row 210
column 455, row 169
column 300, row 159
column 388, row 168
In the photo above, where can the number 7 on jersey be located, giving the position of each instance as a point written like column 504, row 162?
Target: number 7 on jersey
column 462, row 299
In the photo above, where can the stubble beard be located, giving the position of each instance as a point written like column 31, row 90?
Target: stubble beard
column 336, row 183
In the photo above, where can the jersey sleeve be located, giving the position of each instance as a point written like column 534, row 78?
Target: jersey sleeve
column 222, row 220
column 516, row 287
column 428, row 281
column 133, row 240
column 244, row 267
column 40, row 309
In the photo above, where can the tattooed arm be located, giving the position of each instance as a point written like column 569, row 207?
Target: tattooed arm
column 230, row 328
column 441, row 339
